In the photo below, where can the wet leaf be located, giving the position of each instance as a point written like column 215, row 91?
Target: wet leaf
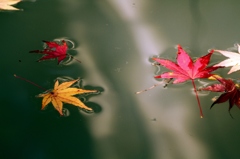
column 54, row 50
column 231, row 92
column 62, row 93
column 185, row 69
column 233, row 60
column 6, row 4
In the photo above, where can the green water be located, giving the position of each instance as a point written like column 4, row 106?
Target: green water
column 114, row 40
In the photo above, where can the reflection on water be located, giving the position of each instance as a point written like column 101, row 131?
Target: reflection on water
column 123, row 108
column 114, row 41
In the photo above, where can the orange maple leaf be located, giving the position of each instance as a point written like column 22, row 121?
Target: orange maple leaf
column 61, row 93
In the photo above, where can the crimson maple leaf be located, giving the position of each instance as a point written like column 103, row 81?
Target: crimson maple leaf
column 230, row 89
column 54, row 50
column 185, row 69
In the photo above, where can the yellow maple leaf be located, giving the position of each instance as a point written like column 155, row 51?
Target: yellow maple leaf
column 6, row 4
column 61, row 93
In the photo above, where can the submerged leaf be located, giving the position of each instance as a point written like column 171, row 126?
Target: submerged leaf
column 53, row 50
column 231, row 92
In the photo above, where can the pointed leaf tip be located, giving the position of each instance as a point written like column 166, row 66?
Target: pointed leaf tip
column 154, row 58
column 230, row 114
column 211, row 51
column 179, row 46
column 212, row 105
column 159, row 76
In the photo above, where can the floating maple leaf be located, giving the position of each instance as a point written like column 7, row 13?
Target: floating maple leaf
column 6, row 4
column 54, row 50
column 61, row 93
column 185, row 69
column 233, row 60
column 230, row 89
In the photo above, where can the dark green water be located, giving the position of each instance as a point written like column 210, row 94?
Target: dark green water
column 114, row 40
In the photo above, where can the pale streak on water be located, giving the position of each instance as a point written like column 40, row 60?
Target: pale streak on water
column 170, row 128
column 168, row 121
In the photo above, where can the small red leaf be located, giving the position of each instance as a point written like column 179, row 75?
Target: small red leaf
column 53, row 50
column 230, row 89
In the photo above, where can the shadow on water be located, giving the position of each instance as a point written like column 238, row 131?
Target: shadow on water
column 114, row 41
column 28, row 132
column 105, row 35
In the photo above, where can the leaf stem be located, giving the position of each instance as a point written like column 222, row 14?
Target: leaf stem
column 75, row 58
column 199, row 105
column 24, row 79
column 147, row 89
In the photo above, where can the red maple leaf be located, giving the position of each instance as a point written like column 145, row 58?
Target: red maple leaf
column 185, row 69
column 54, row 50
column 230, row 89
